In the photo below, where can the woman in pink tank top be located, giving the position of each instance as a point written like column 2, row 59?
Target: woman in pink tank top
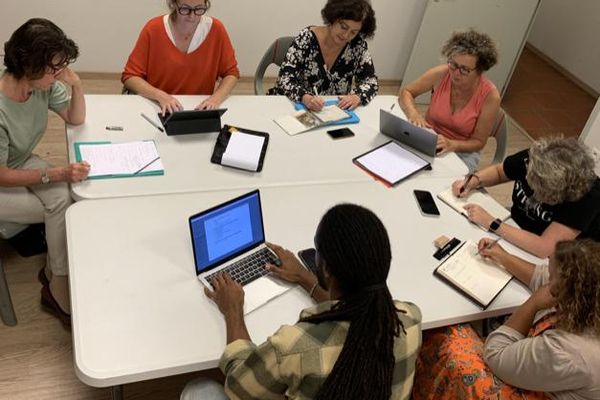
column 464, row 103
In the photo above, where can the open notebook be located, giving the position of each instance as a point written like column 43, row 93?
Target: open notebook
column 305, row 120
column 478, row 197
column 469, row 273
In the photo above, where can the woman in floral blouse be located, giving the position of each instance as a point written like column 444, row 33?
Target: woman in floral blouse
column 324, row 60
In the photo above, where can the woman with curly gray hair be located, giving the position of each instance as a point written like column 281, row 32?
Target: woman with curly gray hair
column 464, row 103
column 556, row 195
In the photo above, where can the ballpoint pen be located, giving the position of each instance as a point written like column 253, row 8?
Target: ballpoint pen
column 462, row 189
column 154, row 124
column 488, row 246
column 145, row 166
column 316, row 91
column 392, row 107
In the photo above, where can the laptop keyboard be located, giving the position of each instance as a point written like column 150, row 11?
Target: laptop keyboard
column 248, row 268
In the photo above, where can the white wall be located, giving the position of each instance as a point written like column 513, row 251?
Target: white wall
column 568, row 32
column 106, row 30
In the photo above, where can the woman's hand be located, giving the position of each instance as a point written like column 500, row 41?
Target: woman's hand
column 542, row 298
column 168, row 104
column 478, row 215
column 75, row 172
column 445, row 145
column 418, row 120
column 348, row 102
column 209, row 103
column 228, row 295
column 490, row 251
column 69, row 77
column 290, row 270
column 462, row 188
column 313, row 103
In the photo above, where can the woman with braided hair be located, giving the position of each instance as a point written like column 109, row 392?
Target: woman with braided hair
column 357, row 343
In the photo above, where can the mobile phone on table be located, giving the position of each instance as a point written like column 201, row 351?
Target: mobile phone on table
column 426, row 202
column 340, row 133
column 307, row 256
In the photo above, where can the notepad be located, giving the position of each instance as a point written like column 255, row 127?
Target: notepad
column 391, row 163
column 240, row 148
column 119, row 160
column 306, row 120
column 478, row 279
column 243, row 151
column 479, row 197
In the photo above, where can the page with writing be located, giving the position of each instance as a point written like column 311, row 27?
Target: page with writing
column 391, row 162
column 478, row 197
column 331, row 113
column 243, row 151
column 121, row 158
column 482, row 280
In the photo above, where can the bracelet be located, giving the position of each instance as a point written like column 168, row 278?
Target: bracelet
column 312, row 289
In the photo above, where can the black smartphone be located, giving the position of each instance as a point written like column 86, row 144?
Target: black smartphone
column 308, row 258
column 340, row 133
column 426, row 202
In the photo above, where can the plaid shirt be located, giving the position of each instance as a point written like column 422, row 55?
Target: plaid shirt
column 296, row 360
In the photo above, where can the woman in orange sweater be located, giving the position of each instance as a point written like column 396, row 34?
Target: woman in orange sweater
column 183, row 52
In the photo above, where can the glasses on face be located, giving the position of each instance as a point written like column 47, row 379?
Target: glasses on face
column 461, row 68
column 187, row 10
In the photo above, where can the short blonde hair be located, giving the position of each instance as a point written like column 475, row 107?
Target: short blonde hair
column 578, row 267
column 560, row 170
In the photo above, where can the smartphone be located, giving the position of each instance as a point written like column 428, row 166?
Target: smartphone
column 340, row 133
column 426, row 202
column 308, row 258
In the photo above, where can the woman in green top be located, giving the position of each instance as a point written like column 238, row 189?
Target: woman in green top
column 36, row 77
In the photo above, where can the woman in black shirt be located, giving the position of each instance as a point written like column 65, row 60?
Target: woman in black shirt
column 556, row 195
column 324, row 60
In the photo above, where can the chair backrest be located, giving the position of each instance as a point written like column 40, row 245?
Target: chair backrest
column 500, row 133
column 275, row 54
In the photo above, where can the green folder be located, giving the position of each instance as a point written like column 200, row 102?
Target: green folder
column 128, row 175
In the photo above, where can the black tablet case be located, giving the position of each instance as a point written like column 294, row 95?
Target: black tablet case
column 192, row 121
column 223, row 140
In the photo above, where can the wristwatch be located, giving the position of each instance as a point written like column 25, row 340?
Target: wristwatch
column 495, row 225
column 45, row 177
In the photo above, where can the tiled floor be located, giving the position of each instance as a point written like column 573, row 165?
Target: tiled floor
column 545, row 102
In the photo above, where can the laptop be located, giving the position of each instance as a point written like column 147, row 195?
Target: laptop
column 230, row 238
column 192, row 121
column 421, row 139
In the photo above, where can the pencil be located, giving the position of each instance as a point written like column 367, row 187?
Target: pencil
column 154, row 124
column 145, row 166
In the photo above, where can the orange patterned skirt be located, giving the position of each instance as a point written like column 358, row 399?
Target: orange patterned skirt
column 450, row 366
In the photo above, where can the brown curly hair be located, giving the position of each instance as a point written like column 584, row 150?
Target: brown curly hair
column 475, row 44
column 578, row 267
column 560, row 170
column 353, row 10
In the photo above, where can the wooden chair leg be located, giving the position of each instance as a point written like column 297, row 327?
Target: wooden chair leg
column 7, row 312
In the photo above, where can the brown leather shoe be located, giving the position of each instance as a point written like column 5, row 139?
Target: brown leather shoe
column 50, row 305
column 42, row 277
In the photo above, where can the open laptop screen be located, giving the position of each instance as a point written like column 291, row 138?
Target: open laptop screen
column 226, row 231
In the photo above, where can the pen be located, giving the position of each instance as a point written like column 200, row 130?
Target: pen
column 462, row 189
column 315, row 90
column 489, row 246
column 145, row 166
column 114, row 128
column 392, row 107
column 154, row 124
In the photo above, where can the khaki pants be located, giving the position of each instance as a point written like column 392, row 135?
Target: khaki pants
column 41, row 203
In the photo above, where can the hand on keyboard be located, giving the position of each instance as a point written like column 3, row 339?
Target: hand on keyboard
column 228, row 295
column 290, row 268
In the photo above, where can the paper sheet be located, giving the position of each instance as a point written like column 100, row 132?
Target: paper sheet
column 481, row 279
column 392, row 162
column 121, row 158
column 243, row 151
column 482, row 199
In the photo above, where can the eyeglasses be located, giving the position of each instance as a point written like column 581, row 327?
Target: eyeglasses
column 461, row 68
column 187, row 10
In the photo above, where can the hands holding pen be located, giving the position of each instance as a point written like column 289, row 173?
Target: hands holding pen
column 490, row 249
column 313, row 103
